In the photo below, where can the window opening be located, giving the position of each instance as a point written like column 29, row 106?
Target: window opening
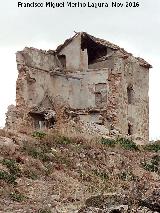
column 62, row 59
column 130, row 94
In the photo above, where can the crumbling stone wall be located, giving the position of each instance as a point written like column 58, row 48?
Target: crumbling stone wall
column 110, row 90
column 122, row 114
column 38, row 85
column 77, row 89
column 33, row 72
column 11, row 117
column 38, row 59
column 34, row 85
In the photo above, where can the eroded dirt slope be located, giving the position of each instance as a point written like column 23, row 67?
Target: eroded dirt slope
column 51, row 173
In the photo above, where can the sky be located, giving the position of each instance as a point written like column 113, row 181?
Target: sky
column 135, row 29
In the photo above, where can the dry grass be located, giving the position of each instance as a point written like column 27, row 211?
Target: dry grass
column 72, row 167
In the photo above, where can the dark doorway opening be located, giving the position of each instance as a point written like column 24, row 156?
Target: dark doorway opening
column 130, row 129
column 40, row 122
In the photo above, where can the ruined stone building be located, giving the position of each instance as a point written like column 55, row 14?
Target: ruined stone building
column 98, row 81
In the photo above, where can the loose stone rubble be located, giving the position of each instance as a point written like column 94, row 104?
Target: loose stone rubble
column 115, row 203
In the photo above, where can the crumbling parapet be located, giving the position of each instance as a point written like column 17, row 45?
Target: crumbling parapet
column 11, row 117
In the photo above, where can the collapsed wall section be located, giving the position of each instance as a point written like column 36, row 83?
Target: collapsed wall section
column 33, row 66
column 42, row 81
column 32, row 84
column 38, row 59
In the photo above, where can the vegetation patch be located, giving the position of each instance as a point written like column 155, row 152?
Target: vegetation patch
column 8, row 178
column 154, row 147
column 102, row 175
column 37, row 152
column 127, row 144
column 63, row 160
column 17, row 196
column 30, row 174
column 153, row 165
column 123, row 142
column 127, row 176
column 108, row 142
column 63, row 140
column 14, row 171
column 95, row 201
column 39, row 134
column 12, row 166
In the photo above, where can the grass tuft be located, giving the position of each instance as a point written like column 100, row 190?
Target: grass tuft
column 127, row 144
column 155, row 147
column 17, row 196
column 153, row 165
column 39, row 134
column 108, row 142
column 123, row 142
column 8, row 178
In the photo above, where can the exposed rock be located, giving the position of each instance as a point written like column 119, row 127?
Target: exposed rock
column 121, row 204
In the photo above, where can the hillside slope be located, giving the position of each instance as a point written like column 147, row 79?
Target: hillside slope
column 52, row 173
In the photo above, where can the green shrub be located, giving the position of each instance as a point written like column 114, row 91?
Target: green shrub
column 39, row 134
column 16, row 196
column 39, row 152
column 153, row 165
column 156, row 159
column 127, row 176
column 108, row 142
column 102, row 175
column 150, row 167
column 63, row 140
column 127, row 144
column 123, row 142
column 30, row 174
column 12, row 166
column 154, row 147
column 33, row 151
column 14, row 171
column 9, row 178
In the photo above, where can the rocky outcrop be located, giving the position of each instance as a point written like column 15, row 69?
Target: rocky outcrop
column 115, row 203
